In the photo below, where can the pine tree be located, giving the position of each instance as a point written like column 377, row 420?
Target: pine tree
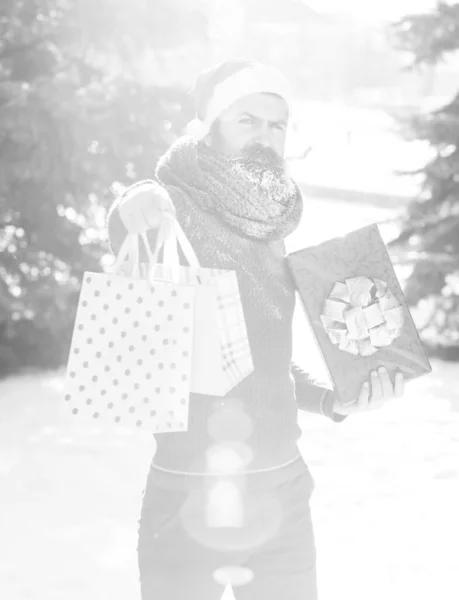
column 429, row 234
column 74, row 119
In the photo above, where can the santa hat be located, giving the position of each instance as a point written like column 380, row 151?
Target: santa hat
column 217, row 89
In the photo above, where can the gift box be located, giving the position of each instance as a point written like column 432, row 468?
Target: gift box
column 357, row 310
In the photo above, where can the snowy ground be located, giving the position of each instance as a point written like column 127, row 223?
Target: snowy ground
column 385, row 505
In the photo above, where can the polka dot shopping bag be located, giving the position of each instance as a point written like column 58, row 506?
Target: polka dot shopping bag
column 130, row 356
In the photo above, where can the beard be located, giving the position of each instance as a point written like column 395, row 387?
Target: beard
column 265, row 170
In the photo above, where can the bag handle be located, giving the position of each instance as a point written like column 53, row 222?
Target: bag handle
column 127, row 253
column 178, row 238
column 130, row 253
column 170, row 237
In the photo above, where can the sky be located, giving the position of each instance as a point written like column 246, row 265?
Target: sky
column 373, row 9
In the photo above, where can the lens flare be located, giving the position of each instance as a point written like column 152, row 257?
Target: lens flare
column 228, row 458
column 233, row 575
column 230, row 423
column 224, row 506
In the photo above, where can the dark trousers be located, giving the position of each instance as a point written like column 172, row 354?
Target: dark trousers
column 191, row 543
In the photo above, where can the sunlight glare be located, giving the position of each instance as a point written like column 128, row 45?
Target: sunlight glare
column 224, row 506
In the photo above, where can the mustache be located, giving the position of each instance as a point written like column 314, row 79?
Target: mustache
column 262, row 167
column 259, row 155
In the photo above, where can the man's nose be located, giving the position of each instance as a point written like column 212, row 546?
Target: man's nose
column 263, row 137
column 264, row 143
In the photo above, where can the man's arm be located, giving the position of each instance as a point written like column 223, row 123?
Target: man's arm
column 312, row 398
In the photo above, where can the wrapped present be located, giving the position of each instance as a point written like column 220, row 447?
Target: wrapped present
column 357, row 311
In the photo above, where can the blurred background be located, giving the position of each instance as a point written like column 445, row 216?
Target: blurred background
column 91, row 94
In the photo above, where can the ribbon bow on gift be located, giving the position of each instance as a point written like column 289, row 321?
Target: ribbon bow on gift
column 362, row 315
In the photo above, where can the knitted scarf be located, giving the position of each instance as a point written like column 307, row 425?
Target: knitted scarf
column 213, row 183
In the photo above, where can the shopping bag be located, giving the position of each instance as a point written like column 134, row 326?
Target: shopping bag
column 221, row 356
column 130, row 355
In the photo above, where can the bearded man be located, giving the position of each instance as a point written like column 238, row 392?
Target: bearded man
column 227, row 185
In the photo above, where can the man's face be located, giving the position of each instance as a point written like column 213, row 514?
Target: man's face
column 251, row 135
column 258, row 120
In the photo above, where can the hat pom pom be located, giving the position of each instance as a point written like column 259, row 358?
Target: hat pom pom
column 197, row 129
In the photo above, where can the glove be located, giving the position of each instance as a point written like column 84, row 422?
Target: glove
column 143, row 205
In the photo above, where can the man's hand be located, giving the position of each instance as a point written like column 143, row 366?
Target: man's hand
column 143, row 207
column 374, row 393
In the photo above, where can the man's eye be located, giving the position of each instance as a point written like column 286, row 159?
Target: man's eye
column 279, row 126
column 246, row 121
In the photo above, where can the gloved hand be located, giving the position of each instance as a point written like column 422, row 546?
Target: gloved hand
column 375, row 393
column 143, row 206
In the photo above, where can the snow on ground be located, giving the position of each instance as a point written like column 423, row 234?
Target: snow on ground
column 385, row 505
column 387, row 496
